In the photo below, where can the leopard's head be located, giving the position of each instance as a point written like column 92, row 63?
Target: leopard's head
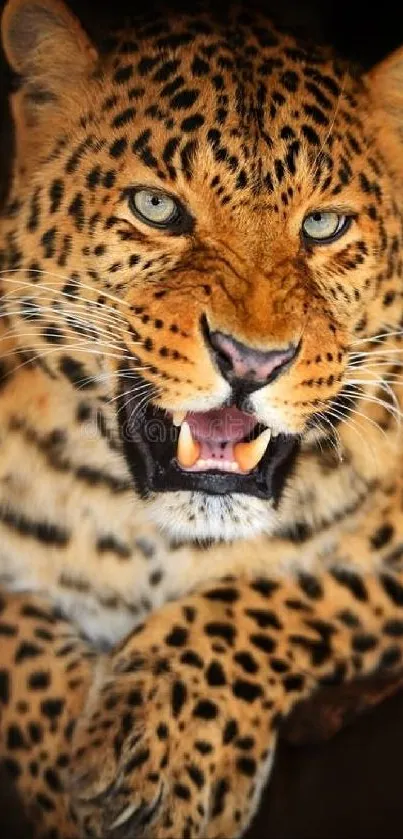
column 205, row 221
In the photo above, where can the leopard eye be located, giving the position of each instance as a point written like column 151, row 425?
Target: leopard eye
column 323, row 227
column 154, row 207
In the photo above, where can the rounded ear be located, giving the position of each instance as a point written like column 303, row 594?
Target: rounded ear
column 44, row 43
column 46, row 46
column 385, row 82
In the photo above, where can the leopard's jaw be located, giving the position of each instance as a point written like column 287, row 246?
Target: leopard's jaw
column 194, row 517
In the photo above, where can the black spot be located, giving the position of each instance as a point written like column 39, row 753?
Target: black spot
column 7, row 629
column 76, row 210
column 290, row 80
column 118, row 147
column 215, row 675
column 363, row 642
column 49, row 534
column 196, row 775
column 310, row 135
column 52, row 334
column 205, row 709
column 203, row 747
column 110, row 544
column 382, row 536
column 293, row 683
column 245, row 743
column 264, row 618
column 182, row 791
column 316, row 114
column 224, row 595
column 220, row 630
column 48, row 243
column 52, row 708
column 192, row 659
column 246, row 766
column 134, row 698
column 310, row 585
column 35, row 732
column 390, row 657
column 246, row 661
column 34, row 215
column 4, row 687
column 220, row 792
column 278, row 665
column 192, row 123
column 230, row 731
column 56, row 193
column 264, row 587
column 15, row 738
column 348, row 618
column 119, row 121
column 319, row 651
column 393, row 627
column 184, row 99
column 37, row 614
column 248, row 691
column 27, row 650
column 39, row 680
column 75, row 372
column 263, row 642
column 393, row 588
column 179, row 696
column 123, row 74
column 353, row 582
column 200, row 67
column 52, row 779
column 177, row 637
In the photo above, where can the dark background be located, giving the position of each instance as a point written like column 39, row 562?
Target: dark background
column 352, row 786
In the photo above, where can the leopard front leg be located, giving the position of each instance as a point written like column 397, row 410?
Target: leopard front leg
column 180, row 728
column 45, row 674
column 181, row 716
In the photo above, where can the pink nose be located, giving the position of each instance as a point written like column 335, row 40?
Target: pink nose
column 238, row 361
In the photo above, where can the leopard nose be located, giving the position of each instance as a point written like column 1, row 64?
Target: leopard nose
column 254, row 368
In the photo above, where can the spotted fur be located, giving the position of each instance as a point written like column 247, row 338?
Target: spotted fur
column 255, row 603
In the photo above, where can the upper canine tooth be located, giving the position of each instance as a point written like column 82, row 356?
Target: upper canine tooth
column 188, row 450
column 248, row 455
column 178, row 417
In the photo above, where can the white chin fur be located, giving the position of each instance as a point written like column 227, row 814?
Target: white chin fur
column 193, row 516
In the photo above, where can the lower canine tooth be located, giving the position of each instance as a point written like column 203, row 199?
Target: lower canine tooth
column 178, row 417
column 188, row 450
column 248, row 455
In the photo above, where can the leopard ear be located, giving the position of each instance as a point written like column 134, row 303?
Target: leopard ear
column 385, row 82
column 46, row 46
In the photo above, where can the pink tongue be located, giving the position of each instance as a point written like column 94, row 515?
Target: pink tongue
column 223, row 425
column 217, row 431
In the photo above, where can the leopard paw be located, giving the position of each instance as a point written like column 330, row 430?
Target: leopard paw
column 166, row 752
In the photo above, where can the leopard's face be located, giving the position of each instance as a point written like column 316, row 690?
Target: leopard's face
column 209, row 217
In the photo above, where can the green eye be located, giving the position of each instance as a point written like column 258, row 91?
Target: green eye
column 324, row 227
column 154, row 207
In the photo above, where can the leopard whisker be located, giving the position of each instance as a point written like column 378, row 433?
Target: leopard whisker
column 65, row 277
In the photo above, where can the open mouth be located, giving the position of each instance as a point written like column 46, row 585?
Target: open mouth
column 218, row 452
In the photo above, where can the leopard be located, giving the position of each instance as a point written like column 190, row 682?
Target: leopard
column 201, row 449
